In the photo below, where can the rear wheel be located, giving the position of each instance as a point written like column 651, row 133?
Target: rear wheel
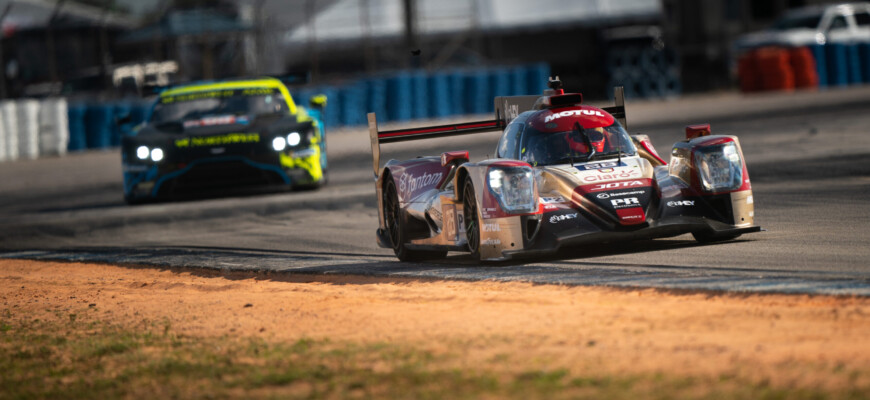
column 472, row 222
column 396, row 228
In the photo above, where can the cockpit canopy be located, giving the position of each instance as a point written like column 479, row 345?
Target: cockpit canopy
column 565, row 135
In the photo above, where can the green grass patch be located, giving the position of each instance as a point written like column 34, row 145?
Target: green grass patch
column 76, row 358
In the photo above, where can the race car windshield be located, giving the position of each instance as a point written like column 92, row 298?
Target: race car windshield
column 576, row 145
column 195, row 106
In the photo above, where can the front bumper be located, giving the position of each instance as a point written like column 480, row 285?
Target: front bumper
column 221, row 175
column 548, row 243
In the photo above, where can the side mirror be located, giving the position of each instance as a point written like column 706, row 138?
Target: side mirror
column 318, row 101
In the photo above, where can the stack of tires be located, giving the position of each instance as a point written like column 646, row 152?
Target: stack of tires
column 644, row 71
column 407, row 95
column 785, row 68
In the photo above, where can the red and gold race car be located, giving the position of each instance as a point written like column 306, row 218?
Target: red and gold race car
column 565, row 174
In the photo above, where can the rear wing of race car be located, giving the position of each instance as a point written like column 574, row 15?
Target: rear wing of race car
column 507, row 108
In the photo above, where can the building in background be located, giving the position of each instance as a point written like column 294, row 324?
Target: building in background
column 649, row 46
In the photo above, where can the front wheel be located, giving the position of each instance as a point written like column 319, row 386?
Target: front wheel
column 472, row 221
column 396, row 228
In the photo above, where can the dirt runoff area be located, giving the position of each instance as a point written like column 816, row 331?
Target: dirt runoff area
column 786, row 340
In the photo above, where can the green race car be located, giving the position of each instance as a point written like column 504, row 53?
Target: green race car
column 217, row 138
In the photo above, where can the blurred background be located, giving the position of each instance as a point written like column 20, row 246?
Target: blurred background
column 71, row 67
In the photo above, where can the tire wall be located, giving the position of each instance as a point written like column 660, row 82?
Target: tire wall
column 778, row 68
column 51, row 127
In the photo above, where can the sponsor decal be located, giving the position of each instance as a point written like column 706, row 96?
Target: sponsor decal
column 550, row 200
column 491, row 242
column 634, row 192
column 217, row 94
column 625, row 203
column 591, row 113
column 616, row 185
column 624, row 174
column 603, row 195
column 601, row 165
column 211, row 121
column 749, row 200
column 631, row 216
column 564, row 217
column 218, row 140
column 408, row 183
column 683, row 203
column 494, row 227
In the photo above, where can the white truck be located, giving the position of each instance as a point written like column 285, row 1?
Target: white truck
column 832, row 23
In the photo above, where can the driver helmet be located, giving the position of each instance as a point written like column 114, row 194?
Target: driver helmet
column 577, row 144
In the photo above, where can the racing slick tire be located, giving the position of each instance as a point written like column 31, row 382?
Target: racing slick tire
column 396, row 229
column 704, row 237
column 471, row 218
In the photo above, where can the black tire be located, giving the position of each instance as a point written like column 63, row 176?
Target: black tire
column 396, row 228
column 712, row 238
column 472, row 221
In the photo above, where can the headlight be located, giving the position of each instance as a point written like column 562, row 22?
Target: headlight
column 294, row 138
column 156, row 154
column 719, row 167
column 514, row 187
column 279, row 143
column 142, row 152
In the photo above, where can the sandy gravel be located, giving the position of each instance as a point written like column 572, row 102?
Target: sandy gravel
column 798, row 340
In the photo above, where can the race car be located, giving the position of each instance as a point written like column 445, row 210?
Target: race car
column 565, row 174
column 216, row 138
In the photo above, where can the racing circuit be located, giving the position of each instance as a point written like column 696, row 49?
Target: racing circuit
column 808, row 156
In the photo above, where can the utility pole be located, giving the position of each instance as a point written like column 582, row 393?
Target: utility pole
column 3, row 93
column 411, row 45
column 49, row 42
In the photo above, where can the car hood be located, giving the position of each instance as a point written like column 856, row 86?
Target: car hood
column 616, row 191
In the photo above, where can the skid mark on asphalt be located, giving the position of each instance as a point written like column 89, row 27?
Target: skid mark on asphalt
column 580, row 274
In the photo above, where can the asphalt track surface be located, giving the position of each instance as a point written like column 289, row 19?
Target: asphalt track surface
column 808, row 156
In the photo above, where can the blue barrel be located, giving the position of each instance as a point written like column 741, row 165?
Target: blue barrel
column 477, row 95
column 419, row 95
column 353, row 99
column 819, row 54
column 519, row 81
column 376, row 102
column 537, row 75
column 457, row 93
column 99, row 119
column 76, row 119
column 864, row 58
column 500, row 82
column 836, row 63
column 439, row 95
column 332, row 113
column 853, row 62
column 399, row 92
